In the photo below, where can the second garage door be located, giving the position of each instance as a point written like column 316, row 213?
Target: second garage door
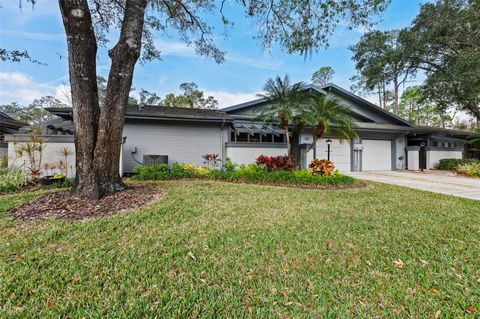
column 377, row 155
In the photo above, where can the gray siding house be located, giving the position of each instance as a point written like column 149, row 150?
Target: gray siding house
column 385, row 141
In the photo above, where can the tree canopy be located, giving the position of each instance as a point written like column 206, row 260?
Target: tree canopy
column 442, row 43
column 191, row 97
column 323, row 75
column 33, row 113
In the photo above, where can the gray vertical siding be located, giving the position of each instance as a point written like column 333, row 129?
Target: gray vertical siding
column 182, row 142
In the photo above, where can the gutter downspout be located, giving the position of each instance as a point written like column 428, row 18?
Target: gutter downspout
column 222, row 144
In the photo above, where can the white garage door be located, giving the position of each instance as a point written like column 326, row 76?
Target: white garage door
column 377, row 155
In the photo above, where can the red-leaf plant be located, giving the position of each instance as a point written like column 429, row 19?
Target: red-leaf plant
column 276, row 163
column 211, row 159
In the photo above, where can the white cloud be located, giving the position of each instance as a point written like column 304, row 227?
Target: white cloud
column 226, row 99
column 169, row 48
column 175, row 48
column 34, row 35
column 22, row 88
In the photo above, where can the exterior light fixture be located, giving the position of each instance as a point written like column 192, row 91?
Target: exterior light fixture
column 329, row 142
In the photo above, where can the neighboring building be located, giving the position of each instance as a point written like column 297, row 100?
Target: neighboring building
column 385, row 141
column 8, row 125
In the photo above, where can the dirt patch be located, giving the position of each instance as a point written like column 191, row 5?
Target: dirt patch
column 62, row 205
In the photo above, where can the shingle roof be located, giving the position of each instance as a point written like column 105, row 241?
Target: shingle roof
column 159, row 112
column 7, row 120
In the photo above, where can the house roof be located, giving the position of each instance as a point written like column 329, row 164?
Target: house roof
column 160, row 112
column 324, row 89
column 8, row 121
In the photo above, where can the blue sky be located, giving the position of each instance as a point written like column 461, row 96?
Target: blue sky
column 247, row 66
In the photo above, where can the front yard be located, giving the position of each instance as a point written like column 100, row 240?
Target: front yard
column 210, row 249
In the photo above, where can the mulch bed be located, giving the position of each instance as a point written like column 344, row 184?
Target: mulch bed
column 62, row 205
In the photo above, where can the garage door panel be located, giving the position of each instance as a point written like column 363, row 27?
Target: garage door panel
column 377, row 155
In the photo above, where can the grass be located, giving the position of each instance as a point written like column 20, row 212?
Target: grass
column 211, row 249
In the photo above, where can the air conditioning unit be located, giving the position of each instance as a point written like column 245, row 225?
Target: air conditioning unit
column 155, row 159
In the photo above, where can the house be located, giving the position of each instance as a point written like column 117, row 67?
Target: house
column 8, row 125
column 152, row 133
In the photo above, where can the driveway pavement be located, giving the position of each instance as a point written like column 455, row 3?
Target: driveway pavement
column 443, row 182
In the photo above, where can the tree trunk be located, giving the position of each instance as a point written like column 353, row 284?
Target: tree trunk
column 124, row 57
column 395, row 93
column 287, row 138
column 98, row 132
column 82, row 55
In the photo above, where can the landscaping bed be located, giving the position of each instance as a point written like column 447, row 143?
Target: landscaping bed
column 253, row 174
column 62, row 205
column 464, row 167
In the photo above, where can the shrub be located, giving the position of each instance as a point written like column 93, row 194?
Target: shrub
column 470, row 169
column 248, row 173
column 453, row 163
column 229, row 166
column 322, row 167
column 276, row 163
column 12, row 179
column 152, row 172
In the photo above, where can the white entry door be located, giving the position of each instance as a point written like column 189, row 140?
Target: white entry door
column 377, row 155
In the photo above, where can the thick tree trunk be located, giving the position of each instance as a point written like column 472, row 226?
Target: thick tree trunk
column 82, row 55
column 98, row 132
column 124, row 57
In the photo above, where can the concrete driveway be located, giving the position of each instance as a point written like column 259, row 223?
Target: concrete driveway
column 443, row 182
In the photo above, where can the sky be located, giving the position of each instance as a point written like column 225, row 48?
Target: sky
column 238, row 79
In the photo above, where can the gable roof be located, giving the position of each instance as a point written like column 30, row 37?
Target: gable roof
column 9, row 122
column 156, row 112
column 330, row 87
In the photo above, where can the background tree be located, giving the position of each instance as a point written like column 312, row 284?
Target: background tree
column 419, row 109
column 33, row 113
column 444, row 43
column 299, row 27
column 380, row 59
column 323, row 75
column 285, row 100
column 191, row 97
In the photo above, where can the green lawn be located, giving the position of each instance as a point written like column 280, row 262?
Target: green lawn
column 211, row 249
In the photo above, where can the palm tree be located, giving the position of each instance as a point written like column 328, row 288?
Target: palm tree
column 327, row 115
column 285, row 100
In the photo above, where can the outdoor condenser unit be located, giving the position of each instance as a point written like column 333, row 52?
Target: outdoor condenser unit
column 155, row 159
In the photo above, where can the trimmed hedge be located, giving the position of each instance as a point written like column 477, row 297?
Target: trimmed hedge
column 251, row 173
column 453, row 163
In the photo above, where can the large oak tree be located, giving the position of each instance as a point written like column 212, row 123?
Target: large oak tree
column 298, row 26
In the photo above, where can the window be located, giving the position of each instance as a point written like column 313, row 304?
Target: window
column 279, row 138
column 254, row 138
column 435, row 144
column 242, row 137
column 267, row 138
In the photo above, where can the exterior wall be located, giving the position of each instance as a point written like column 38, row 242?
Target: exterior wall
column 400, row 152
column 413, row 160
column 183, row 143
column 247, row 154
column 49, row 155
column 434, row 156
